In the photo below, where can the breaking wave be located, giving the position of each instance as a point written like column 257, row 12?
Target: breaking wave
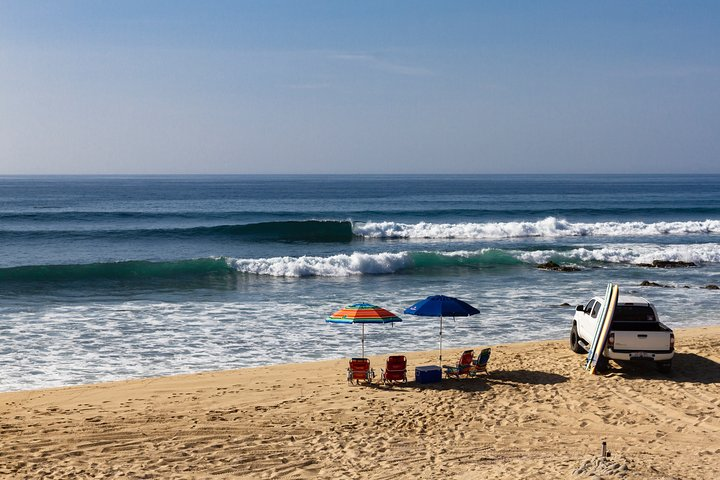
column 345, row 231
column 413, row 262
column 549, row 227
column 358, row 263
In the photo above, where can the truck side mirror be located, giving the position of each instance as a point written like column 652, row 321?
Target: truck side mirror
column 579, row 308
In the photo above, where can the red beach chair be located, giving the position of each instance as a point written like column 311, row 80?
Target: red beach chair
column 463, row 366
column 359, row 369
column 395, row 369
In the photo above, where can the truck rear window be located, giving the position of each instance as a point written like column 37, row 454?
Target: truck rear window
column 627, row 313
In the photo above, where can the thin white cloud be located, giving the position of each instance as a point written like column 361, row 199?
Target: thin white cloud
column 310, row 86
column 671, row 71
column 378, row 63
column 360, row 57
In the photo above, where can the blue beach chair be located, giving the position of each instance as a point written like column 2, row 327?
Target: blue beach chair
column 480, row 363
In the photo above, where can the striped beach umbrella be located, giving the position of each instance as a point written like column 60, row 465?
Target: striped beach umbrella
column 363, row 313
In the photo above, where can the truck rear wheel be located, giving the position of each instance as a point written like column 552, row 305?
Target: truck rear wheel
column 664, row 367
column 575, row 340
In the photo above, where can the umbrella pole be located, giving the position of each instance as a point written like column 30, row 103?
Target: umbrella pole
column 362, row 340
column 441, row 319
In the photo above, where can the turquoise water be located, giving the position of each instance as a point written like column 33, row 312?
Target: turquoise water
column 118, row 277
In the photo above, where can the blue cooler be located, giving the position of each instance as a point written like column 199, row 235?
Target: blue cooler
column 428, row 374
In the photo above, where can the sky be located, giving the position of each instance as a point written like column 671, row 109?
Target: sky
column 308, row 87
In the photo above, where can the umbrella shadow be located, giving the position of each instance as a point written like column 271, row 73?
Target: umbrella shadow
column 687, row 367
column 475, row 384
column 482, row 383
column 479, row 383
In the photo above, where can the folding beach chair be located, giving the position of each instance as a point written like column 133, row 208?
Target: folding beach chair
column 463, row 366
column 359, row 369
column 395, row 369
column 480, row 363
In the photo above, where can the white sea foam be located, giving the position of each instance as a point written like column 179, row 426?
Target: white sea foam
column 55, row 345
column 50, row 345
column 384, row 263
column 333, row 266
column 630, row 254
column 548, row 227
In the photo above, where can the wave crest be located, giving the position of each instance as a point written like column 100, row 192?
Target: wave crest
column 629, row 254
column 415, row 262
column 334, row 266
column 357, row 263
column 548, row 227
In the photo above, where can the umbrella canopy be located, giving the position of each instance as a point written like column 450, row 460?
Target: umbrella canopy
column 441, row 306
column 363, row 313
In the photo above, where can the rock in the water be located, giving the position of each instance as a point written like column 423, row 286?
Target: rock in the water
column 668, row 264
column 712, row 287
column 557, row 268
column 647, row 283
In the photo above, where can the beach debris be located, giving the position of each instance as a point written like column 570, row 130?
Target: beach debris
column 668, row 264
column 550, row 265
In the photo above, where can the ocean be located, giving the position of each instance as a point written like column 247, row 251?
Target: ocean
column 106, row 278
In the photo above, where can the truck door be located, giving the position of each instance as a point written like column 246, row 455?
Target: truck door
column 585, row 325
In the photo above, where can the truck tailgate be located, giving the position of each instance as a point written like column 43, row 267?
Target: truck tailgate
column 643, row 341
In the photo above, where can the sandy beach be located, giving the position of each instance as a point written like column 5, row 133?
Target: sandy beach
column 538, row 414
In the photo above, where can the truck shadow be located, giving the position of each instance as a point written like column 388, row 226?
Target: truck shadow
column 687, row 367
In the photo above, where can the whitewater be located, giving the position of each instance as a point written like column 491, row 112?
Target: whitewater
column 548, row 227
column 105, row 278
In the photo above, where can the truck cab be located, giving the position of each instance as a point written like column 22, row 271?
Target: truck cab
column 635, row 333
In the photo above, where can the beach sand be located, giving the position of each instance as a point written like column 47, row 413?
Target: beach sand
column 537, row 415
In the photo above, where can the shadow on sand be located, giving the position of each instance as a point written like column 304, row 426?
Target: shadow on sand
column 687, row 367
column 484, row 382
column 528, row 377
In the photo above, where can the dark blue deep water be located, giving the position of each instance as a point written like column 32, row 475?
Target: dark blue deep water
column 115, row 277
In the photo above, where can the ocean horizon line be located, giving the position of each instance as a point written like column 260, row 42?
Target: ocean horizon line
column 358, row 174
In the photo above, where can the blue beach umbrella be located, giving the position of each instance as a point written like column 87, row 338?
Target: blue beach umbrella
column 441, row 306
column 363, row 313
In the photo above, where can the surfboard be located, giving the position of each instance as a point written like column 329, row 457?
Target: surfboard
column 602, row 329
column 598, row 328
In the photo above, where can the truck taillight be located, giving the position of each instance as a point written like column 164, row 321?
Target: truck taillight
column 672, row 341
column 611, row 339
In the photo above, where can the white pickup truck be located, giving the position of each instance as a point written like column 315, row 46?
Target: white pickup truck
column 635, row 332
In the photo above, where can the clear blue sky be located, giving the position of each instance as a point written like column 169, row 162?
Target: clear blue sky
column 359, row 86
